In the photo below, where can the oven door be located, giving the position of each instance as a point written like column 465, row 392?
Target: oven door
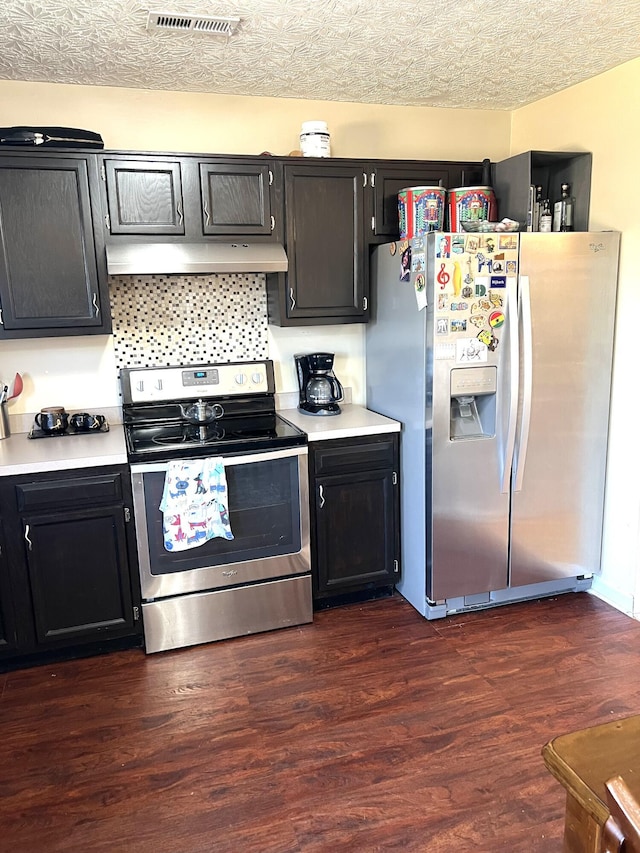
column 268, row 501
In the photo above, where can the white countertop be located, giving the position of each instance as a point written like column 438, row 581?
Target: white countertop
column 22, row 455
column 352, row 421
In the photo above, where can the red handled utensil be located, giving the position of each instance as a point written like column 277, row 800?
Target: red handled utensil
column 15, row 389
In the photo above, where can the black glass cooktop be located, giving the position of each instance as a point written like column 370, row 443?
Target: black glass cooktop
column 179, row 439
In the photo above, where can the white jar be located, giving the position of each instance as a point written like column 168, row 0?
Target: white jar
column 315, row 139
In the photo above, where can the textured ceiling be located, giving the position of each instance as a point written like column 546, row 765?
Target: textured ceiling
column 445, row 53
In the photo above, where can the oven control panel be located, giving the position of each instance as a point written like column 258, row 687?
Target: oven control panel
column 152, row 384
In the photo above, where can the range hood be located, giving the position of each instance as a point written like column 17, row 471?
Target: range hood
column 177, row 258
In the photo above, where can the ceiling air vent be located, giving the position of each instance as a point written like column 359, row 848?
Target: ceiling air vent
column 214, row 26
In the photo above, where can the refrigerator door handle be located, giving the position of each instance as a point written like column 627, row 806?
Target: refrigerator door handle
column 524, row 305
column 514, row 376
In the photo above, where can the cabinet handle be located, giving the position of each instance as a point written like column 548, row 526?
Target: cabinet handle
column 26, row 536
column 364, row 179
column 273, row 223
column 372, row 179
column 95, row 304
column 207, row 218
column 365, row 303
column 292, row 298
column 321, row 490
column 270, row 177
column 180, row 214
column 373, row 223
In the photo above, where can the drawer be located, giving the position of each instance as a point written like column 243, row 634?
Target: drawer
column 354, row 454
column 72, row 491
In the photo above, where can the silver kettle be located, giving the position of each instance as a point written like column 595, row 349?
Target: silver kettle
column 202, row 412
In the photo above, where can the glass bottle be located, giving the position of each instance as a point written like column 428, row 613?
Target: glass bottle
column 545, row 215
column 537, row 209
column 563, row 210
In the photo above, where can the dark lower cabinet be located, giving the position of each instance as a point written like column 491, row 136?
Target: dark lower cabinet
column 355, row 511
column 9, row 640
column 70, row 581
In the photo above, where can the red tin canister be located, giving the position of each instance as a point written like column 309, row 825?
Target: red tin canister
column 471, row 204
column 420, row 210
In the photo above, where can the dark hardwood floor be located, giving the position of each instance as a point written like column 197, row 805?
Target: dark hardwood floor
column 369, row 730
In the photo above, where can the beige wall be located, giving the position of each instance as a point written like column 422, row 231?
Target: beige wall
column 133, row 119
column 602, row 116
column 180, row 121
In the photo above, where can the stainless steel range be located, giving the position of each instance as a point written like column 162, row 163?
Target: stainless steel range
column 224, row 587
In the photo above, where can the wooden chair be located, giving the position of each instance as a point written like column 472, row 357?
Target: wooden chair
column 621, row 832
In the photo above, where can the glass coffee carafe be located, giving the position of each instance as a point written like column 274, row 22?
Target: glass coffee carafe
column 320, row 390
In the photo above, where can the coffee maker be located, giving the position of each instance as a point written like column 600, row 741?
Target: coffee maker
column 320, row 391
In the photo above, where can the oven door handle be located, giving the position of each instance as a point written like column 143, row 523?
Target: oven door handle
column 229, row 461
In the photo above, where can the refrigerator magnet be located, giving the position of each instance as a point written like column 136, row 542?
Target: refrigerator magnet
column 418, row 262
column 481, row 285
column 477, row 320
column 485, row 337
column 393, row 248
column 442, row 326
column 444, row 276
column 496, row 319
column 458, row 325
column 470, row 351
column 508, row 241
column 443, row 301
column 405, row 264
column 495, row 299
column 511, row 267
column 498, row 281
column 444, row 246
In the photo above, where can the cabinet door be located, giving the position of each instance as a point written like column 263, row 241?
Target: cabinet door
column 8, row 624
column 387, row 180
column 325, row 241
column 50, row 276
column 79, row 574
column 355, row 531
column 235, row 198
column 144, row 196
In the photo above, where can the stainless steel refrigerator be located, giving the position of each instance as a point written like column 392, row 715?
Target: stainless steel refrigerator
column 495, row 352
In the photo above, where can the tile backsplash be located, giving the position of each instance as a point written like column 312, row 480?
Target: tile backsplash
column 194, row 319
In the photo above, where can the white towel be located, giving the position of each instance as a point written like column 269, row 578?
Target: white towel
column 194, row 503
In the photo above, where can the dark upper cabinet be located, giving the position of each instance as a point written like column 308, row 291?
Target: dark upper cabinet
column 144, row 196
column 548, row 169
column 188, row 198
column 236, row 198
column 387, row 179
column 53, row 278
column 355, row 511
column 324, row 240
